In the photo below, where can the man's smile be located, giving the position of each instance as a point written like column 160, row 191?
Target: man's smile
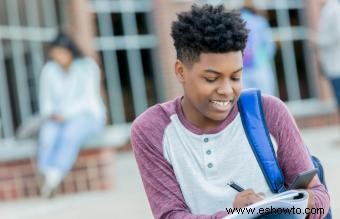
column 221, row 105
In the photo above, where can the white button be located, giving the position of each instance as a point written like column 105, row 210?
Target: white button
column 208, row 152
column 210, row 165
column 206, row 140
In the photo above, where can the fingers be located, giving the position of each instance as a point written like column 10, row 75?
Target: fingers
column 262, row 195
column 247, row 192
column 253, row 198
column 247, row 197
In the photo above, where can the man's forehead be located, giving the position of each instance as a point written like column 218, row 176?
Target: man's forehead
column 219, row 72
column 218, row 60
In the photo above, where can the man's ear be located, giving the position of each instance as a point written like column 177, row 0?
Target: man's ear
column 179, row 70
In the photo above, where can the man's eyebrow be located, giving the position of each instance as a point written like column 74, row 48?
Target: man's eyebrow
column 210, row 70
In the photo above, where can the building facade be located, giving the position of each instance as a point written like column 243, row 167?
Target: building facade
column 131, row 41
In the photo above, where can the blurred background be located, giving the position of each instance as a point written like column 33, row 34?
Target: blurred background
column 130, row 41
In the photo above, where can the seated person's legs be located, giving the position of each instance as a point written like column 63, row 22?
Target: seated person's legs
column 74, row 133
column 48, row 137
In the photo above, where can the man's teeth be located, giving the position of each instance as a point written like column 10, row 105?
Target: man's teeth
column 221, row 103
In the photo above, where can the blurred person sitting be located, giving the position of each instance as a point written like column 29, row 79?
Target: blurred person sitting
column 259, row 51
column 328, row 43
column 71, row 103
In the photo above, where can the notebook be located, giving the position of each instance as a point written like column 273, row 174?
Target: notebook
column 289, row 204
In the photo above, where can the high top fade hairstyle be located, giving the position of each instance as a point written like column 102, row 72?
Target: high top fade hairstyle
column 207, row 29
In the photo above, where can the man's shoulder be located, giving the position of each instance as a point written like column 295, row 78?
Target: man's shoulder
column 275, row 110
column 272, row 102
column 155, row 118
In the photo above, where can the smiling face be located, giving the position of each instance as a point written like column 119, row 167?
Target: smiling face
column 211, row 86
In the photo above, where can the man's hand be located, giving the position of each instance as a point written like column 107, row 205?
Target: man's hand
column 57, row 118
column 247, row 197
column 311, row 202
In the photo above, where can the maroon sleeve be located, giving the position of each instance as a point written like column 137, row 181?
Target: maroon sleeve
column 292, row 154
column 162, row 189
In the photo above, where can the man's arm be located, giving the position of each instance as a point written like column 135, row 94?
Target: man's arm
column 292, row 154
column 162, row 189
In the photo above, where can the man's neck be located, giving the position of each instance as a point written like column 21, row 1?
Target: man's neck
column 196, row 118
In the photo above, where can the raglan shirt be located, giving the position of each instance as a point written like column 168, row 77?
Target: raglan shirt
column 185, row 169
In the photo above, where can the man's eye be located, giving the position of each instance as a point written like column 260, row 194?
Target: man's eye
column 210, row 79
column 235, row 79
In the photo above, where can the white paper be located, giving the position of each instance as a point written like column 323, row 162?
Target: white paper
column 278, row 202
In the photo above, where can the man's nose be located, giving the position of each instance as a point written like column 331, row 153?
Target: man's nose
column 225, row 88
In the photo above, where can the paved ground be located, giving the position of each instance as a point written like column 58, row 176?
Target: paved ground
column 128, row 200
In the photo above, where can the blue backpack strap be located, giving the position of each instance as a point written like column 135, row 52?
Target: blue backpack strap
column 255, row 127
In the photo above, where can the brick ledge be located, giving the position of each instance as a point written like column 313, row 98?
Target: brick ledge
column 93, row 170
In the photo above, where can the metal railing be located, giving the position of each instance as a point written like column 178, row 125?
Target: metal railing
column 25, row 26
column 123, row 35
column 127, row 53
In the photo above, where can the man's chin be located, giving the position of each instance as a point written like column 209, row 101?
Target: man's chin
column 218, row 118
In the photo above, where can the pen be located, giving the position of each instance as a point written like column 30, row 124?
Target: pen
column 235, row 186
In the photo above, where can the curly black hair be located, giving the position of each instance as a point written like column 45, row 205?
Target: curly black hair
column 208, row 29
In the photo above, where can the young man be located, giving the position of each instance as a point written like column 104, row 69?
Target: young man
column 187, row 149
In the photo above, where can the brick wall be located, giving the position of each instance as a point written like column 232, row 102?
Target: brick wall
column 93, row 171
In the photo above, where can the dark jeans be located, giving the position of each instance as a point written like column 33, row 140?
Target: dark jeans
column 335, row 82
